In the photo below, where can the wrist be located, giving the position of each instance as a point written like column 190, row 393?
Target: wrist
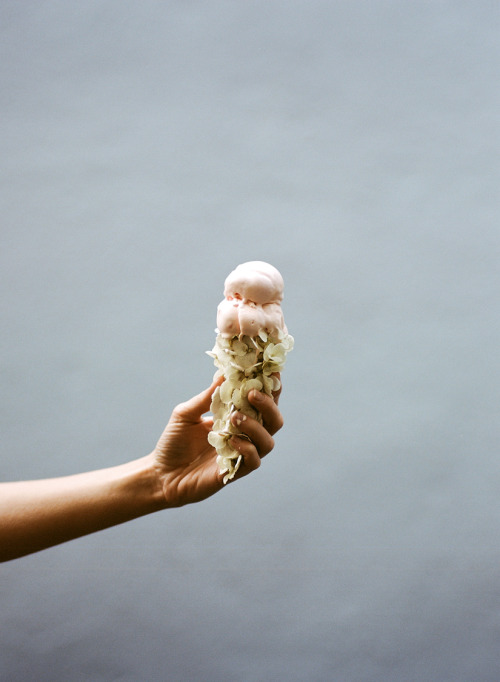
column 140, row 482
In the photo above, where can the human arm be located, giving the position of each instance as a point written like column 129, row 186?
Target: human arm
column 181, row 469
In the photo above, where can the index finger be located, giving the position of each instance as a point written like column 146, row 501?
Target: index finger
column 271, row 416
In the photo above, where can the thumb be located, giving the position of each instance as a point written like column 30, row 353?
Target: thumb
column 193, row 408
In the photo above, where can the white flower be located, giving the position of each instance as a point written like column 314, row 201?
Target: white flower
column 228, row 466
column 217, row 440
column 246, row 363
column 238, row 347
column 217, row 404
column 249, row 384
column 271, row 384
column 226, row 391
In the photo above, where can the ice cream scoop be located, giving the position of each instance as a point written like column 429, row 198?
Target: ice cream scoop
column 252, row 301
column 250, row 351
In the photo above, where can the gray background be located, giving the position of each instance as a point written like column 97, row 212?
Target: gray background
column 146, row 149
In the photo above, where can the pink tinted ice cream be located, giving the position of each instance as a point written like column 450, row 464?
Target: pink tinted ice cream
column 253, row 294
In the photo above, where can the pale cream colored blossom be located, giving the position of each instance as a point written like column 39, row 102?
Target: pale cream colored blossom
column 246, row 363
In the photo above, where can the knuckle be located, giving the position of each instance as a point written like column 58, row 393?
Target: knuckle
column 178, row 410
column 181, row 413
column 269, row 446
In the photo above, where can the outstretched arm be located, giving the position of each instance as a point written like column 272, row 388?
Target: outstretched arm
column 38, row 514
column 181, row 469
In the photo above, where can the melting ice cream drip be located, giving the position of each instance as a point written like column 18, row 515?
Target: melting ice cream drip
column 251, row 347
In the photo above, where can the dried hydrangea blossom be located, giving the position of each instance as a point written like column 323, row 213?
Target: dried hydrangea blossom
column 250, row 349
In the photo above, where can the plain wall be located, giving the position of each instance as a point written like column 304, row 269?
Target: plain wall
column 146, row 149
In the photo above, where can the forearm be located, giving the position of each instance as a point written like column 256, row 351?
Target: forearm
column 35, row 515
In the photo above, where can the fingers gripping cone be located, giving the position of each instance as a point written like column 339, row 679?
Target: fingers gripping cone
column 250, row 349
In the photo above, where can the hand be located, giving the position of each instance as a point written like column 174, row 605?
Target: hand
column 186, row 463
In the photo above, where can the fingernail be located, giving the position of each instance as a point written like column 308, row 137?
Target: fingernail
column 257, row 396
